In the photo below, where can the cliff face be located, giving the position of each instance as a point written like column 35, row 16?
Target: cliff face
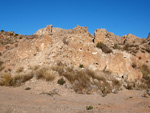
column 51, row 45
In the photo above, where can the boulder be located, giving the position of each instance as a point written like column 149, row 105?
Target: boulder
column 79, row 30
column 99, row 35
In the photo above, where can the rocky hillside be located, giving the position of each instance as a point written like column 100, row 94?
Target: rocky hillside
column 123, row 58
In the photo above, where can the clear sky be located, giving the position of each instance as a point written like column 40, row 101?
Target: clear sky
column 118, row 16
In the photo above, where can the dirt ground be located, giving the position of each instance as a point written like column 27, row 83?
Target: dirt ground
column 19, row 100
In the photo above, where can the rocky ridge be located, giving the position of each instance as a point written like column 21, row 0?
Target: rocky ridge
column 51, row 46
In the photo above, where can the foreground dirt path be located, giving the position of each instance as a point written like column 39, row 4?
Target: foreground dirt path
column 18, row 100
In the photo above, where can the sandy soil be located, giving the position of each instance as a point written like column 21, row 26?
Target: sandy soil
column 19, row 100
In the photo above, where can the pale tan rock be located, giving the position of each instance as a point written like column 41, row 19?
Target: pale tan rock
column 100, row 35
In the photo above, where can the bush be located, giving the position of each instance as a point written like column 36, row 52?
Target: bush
column 65, row 41
column 147, row 49
column 116, row 84
column 1, row 62
column 61, row 81
column 145, row 71
column 1, row 67
column 7, row 80
column 140, row 58
column 103, row 47
column 16, row 34
column 116, row 46
column 89, row 107
column 46, row 74
column 134, row 65
column 126, row 47
column 81, row 66
column 2, row 31
column 11, row 34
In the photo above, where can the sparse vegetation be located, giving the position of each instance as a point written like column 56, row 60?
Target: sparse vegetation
column 81, row 80
column 2, row 31
column 61, row 81
column 8, row 80
column 145, row 71
column 116, row 46
column 81, row 66
column 1, row 63
column 103, row 47
column 46, row 74
column 89, row 107
column 131, row 48
column 140, row 58
column 19, row 69
column 16, row 34
column 116, row 84
column 65, row 41
column 147, row 49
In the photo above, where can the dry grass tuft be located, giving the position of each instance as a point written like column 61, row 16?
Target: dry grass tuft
column 83, row 79
column 103, row 47
column 7, row 80
column 46, row 74
column 145, row 71
column 21, row 78
column 116, row 84
column 19, row 69
column 1, row 63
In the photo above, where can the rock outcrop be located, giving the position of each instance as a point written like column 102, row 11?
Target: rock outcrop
column 100, row 35
column 74, row 47
column 148, row 36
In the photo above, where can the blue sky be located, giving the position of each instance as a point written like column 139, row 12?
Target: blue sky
column 118, row 16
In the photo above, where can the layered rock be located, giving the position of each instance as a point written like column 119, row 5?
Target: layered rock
column 79, row 30
column 100, row 35
column 75, row 47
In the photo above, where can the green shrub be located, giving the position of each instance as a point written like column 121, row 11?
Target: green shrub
column 89, row 107
column 103, row 47
column 116, row 46
column 81, row 66
column 61, row 81
column 140, row 58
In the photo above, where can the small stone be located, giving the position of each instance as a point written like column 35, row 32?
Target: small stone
column 27, row 88
column 114, row 91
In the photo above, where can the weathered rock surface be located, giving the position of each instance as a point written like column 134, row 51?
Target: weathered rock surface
column 74, row 47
